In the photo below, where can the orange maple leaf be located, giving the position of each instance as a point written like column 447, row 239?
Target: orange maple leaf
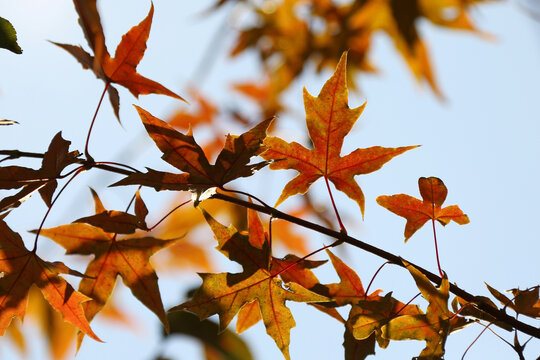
column 432, row 327
column 225, row 294
column 329, row 119
column 129, row 258
column 122, row 68
column 21, row 269
column 350, row 289
column 417, row 212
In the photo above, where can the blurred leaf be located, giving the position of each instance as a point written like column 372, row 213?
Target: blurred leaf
column 227, row 345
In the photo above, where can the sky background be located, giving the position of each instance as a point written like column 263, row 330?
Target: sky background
column 482, row 141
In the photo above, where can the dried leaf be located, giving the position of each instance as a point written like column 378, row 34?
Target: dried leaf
column 122, row 68
column 181, row 151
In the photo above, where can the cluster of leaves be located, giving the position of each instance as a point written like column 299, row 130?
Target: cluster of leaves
column 287, row 34
column 122, row 243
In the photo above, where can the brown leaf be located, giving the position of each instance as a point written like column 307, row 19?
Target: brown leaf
column 182, row 151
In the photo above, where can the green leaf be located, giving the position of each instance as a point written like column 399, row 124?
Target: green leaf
column 8, row 37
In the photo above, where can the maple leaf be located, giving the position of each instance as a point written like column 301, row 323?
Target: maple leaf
column 417, row 212
column 471, row 309
column 118, row 222
column 368, row 312
column 182, row 151
column 56, row 158
column 349, row 290
column 128, row 258
column 225, row 293
column 329, row 119
column 122, row 68
column 367, row 317
column 432, row 327
column 526, row 302
column 22, row 269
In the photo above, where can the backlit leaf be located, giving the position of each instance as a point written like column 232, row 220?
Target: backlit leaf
column 526, row 302
column 329, row 119
column 129, row 258
column 433, row 327
column 417, row 212
column 55, row 160
column 183, row 152
column 122, row 68
column 225, row 294
column 22, row 269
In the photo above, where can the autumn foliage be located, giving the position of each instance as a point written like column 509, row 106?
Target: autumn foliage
column 121, row 242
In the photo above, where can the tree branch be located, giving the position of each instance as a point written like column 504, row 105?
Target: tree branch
column 497, row 313
column 341, row 236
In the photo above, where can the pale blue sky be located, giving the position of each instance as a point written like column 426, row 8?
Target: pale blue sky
column 483, row 142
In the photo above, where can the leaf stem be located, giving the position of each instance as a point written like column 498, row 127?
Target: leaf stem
column 86, row 153
column 474, row 341
column 168, row 214
column 335, row 243
column 133, row 198
column 374, row 276
column 341, row 226
column 436, row 248
column 79, row 170
column 248, row 195
column 408, row 302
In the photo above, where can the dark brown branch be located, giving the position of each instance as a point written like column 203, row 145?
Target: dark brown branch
column 15, row 154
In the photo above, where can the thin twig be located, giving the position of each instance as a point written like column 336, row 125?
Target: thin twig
column 86, row 153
